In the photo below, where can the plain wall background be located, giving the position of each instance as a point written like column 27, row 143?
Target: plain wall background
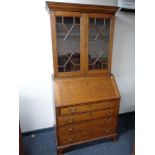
column 123, row 60
column 36, row 94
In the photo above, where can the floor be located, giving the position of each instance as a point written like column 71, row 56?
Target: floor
column 43, row 142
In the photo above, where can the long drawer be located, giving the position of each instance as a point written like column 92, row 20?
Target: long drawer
column 64, row 120
column 89, row 107
column 87, row 132
column 85, row 125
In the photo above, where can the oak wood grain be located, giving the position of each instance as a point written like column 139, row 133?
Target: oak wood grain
column 111, row 42
column 54, row 43
column 110, row 136
column 88, row 125
column 77, row 90
column 69, row 119
column 84, row 8
column 89, row 107
column 86, row 101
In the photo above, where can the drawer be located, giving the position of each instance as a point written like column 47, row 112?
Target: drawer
column 64, row 120
column 86, row 125
column 71, row 139
column 87, row 133
column 89, row 107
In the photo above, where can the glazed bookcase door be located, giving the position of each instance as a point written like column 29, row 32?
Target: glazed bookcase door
column 67, row 48
column 99, row 43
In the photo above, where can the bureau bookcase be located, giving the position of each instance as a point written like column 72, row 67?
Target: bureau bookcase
column 86, row 94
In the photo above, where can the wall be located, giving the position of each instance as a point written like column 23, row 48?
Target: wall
column 123, row 63
column 36, row 95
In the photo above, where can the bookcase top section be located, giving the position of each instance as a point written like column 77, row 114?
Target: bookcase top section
column 84, row 8
column 76, row 90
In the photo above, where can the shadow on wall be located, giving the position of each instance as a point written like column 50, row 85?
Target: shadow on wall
column 123, row 62
column 25, row 110
column 124, row 39
column 36, row 108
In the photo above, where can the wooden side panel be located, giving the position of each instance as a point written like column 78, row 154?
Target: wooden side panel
column 86, row 43
column 57, row 92
column 116, row 90
column 54, row 44
column 82, row 44
column 111, row 42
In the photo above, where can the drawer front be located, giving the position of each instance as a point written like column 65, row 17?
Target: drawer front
column 89, row 107
column 64, row 120
column 82, row 126
column 70, row 139
column 87, row 133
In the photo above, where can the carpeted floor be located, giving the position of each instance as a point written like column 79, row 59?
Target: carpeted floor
column 43, row 142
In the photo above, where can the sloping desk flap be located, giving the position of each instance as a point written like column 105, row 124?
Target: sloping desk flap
column 76, row 90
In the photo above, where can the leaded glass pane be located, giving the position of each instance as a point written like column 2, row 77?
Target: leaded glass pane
column 98, row 43
column 68, row 43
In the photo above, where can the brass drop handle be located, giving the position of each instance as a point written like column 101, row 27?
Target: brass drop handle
column 69, row 121
column 109, row 113
column 109, row 119
column 106, row 130
column 73, row 109
column 71, row 139
column 70, row 129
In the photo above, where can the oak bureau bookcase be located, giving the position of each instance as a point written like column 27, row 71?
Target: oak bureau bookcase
column 86, row 94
